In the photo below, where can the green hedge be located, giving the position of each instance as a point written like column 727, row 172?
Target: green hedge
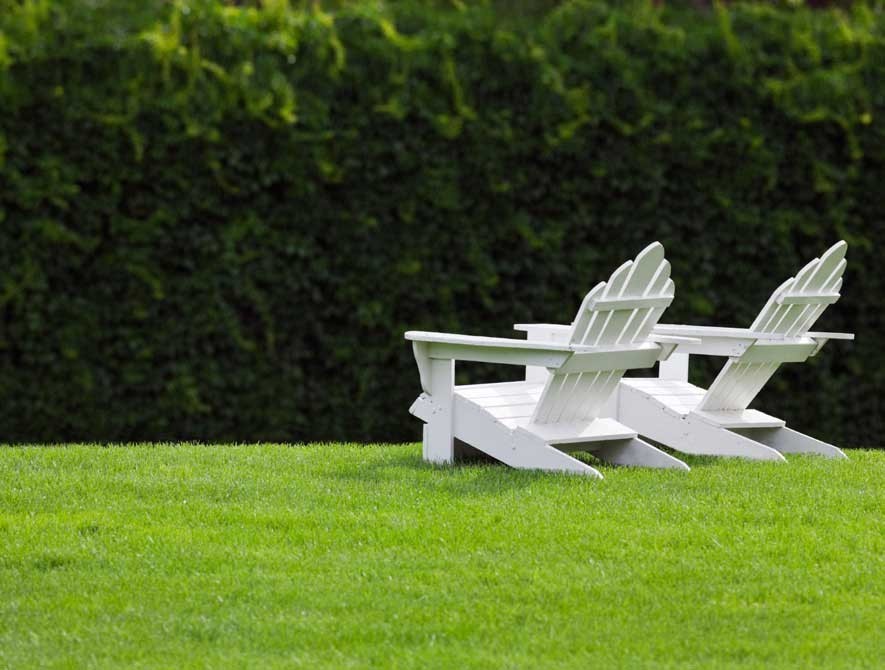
column 216, row 221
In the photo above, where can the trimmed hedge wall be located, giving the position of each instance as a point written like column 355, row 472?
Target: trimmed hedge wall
column 217, row 221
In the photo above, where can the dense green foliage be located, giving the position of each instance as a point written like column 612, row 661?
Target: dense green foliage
column 344, row 556
column 216, row 221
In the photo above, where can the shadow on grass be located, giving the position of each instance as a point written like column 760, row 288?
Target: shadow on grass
column 474, row 474
column 477, row 475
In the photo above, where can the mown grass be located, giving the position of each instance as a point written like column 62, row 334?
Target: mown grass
column 364, row 556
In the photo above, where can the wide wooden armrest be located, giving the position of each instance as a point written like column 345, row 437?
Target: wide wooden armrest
column 705, row 332
column 823, row 338
column 711, row 340
column 831, row 336
column 448, row 347
column 717, row 341
column 563, row 357
column 481, row 341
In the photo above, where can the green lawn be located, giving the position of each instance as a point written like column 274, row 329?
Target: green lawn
column 364, row 556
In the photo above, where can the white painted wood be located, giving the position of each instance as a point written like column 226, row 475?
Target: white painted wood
column 532, row 424
column 684, row 431
column 674, row 368
column 536, row 373
column 496, row 342
column 718, row 420
column 609, row 409
column 500, row 389
column 742, row 418
column 567, row 357
column 789, row 441
column 823, row 273
column 508, row 445
column 831, row 336
column 783, row 315
column 611, row 304
column 779, row 352
column 635, row 358
column 673, row 339
column 509, row 351
column 808, row 298
column 620, row 312
column 596, row 430
column 713, row 341
column 542, row 332
column 501, row 355
column 718, row 346
column 560, row 333
column 439, row 437
column 636, row 452
column 683, row 397
column 420, row 350
column 822, row 338
column 555, row 332
column 491, row 401
column 706, row 332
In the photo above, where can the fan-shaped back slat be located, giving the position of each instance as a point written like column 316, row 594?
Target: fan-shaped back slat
column 621, row 311
column 791, row 311
column 808, row 293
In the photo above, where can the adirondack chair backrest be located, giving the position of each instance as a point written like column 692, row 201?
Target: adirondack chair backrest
column 790, row 312
column 621, row 311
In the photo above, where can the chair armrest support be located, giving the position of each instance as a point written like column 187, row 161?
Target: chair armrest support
column 710, row 340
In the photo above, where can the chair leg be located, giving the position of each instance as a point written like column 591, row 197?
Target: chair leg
column 789, row 441
column 637, row 452
column 451, row 433
column 439, row 438
column 530, row 453
column 685, row 432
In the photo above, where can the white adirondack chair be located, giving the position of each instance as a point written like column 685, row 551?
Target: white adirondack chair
column 532, row 424
column 717, row 420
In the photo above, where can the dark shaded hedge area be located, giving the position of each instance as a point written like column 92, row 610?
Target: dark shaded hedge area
column 217, row 221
